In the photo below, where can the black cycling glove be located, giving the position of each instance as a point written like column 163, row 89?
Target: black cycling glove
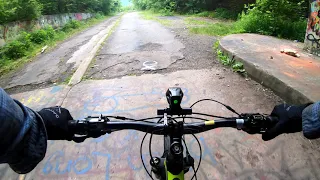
column 289, row 120
column 56, row 122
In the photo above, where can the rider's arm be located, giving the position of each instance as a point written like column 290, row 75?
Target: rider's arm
column 23, row 138
column 293, row 118
column 311, row 121
column 24, row 132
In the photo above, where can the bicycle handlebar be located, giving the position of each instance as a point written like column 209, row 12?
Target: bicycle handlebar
column 83, row 127
column 94, row 126
column 172, row 161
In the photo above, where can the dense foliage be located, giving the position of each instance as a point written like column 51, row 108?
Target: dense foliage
column 281, row 18
column 28, row 40
column 19, row 9
column 13, row 10
column 190, row 6
column 65, row 6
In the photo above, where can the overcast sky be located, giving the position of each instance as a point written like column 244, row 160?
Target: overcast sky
column 125, row 2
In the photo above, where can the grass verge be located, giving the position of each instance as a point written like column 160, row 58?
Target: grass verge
column 214, row 28
column 149, row 15
column 194, row 21
column 17, row 61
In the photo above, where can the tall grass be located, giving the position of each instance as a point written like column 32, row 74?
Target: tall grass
column 151, row 15
column 216, row 29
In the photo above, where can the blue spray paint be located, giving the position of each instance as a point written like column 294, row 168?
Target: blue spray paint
column 107, row 162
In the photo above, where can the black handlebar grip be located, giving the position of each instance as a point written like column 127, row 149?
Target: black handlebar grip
column 76, row 126
column 272, row 121
column 72, row 124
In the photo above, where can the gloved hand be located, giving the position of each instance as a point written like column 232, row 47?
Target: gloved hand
column 56, row 122
column 289, row 120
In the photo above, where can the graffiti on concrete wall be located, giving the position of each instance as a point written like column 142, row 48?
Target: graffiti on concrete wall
column 313, row 30
column 11, row 30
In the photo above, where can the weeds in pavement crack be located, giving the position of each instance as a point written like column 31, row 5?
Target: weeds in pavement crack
column 227, row 61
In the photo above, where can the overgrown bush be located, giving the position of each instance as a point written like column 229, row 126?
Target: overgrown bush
column 39, row 36
column 25, row 42
column 98, row 15
column 281, row 18
column 73, row 24
column 50, row 32
column 25, row 38
column 14, row 50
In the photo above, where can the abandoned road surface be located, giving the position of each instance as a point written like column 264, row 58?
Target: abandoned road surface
column 136, row 46
column 129, row 77
column 58, row 64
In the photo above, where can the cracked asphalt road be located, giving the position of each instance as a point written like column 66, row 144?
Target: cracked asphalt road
column 141, row 46
column 52, row 66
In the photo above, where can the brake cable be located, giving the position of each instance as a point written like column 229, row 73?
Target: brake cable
column 151, row 134
column 141, row 156
column 145, row 119
column 226, row 106
column 209, row 115
column 188, row 154
column 195, row 173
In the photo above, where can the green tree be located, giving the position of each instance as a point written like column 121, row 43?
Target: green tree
column 8, row 11
column 72, row 6
column 195, row 5
column 28, row 9
column 14, row 10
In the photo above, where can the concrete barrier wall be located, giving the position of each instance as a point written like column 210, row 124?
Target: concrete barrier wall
column 312, row 40
column 11, row 30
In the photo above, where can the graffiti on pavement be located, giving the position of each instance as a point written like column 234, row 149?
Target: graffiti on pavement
column 117, row 155
column 114, row 100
